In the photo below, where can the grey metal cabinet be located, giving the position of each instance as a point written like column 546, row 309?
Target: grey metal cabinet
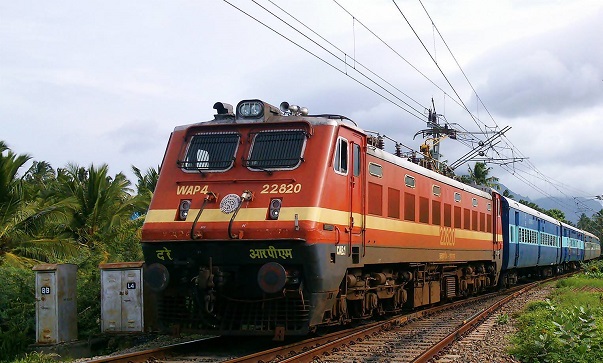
column 56, row 303
column 122, row 297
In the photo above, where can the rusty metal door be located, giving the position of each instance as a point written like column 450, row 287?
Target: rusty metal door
column 121, row 300
column 47, row 308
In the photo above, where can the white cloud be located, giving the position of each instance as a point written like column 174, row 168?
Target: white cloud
column 106, row 82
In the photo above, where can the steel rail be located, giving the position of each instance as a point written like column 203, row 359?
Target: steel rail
column 476, row 320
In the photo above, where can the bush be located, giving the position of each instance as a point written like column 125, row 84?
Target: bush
column 17, row 311
column 553, row 334
column 35, row 357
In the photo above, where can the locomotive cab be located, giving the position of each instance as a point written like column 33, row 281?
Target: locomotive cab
column 235, row 236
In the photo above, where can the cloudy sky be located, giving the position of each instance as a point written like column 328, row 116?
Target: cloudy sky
column 106, row 81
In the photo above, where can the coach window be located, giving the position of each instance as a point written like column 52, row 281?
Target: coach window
column 340, row 164
column 357, row 155
column 376, row 170
column 437, row 191
column 474, row 202
column 457, row 197
column 409, row 181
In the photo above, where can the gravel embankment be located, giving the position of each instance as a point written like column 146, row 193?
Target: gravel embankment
column 490, row 342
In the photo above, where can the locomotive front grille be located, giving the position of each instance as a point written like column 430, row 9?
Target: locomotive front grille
column 235, row 316
column 265, row 316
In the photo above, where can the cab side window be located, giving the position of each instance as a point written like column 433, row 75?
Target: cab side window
column 340, row 164
column 356, row 156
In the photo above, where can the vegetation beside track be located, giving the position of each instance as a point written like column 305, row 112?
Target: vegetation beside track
column 568, row 327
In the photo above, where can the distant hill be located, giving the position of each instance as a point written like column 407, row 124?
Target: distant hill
column 572, row 207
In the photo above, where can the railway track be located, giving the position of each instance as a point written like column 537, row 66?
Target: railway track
column 417, row 337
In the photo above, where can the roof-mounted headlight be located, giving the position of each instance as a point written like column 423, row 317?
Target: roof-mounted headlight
column 255, row 111
column 251, row 109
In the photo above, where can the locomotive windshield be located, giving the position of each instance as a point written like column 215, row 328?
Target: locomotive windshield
column 211, row 152
column 277, row 149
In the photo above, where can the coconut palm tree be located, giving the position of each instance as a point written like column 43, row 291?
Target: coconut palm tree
column 11, row 191
column 145, row 186
column 28, row 232
column 104, row 203
column 479, row 175
column 508, row 194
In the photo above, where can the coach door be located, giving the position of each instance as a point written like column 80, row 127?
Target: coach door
column 517, row 240
column 496, row 227
column 357, row 196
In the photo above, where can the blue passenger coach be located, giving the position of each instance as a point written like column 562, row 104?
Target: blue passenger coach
column 572, row 246
column 531, row 242
column 592, row 246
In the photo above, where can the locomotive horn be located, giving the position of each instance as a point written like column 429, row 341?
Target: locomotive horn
column 284, row 106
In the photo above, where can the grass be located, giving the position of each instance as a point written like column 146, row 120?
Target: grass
column 568, row 327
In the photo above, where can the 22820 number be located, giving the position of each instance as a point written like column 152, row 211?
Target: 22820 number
column 281, row 188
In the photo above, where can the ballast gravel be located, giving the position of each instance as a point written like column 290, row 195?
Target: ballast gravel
column 491, row 343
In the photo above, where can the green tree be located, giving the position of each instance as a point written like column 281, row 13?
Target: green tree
column 28, row 221
column 585, row 223
column 480, row 175
column 104, row 203
column 531, row 205
column 145, row 186
column 508, row 194
column 557, row 214
column 597, row 220
column 11, row 191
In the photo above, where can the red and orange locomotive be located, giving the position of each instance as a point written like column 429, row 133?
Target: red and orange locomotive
column 273, row 221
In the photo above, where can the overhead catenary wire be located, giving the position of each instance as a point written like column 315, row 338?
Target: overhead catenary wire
column 539, row 174
column 351, row 61
column 399, row 55
column 343, row 52
column 438, row 66
column 325, row 61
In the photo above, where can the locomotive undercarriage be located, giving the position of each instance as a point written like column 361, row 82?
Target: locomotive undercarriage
column 378, row 290
column 222, row 295
column 210, row 304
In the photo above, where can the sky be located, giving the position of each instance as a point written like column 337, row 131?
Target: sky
column 105, row 82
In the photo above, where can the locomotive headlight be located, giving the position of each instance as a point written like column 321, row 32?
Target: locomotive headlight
column 251, row 109
column 156, row 277
column 274, row 209
column 185, row 206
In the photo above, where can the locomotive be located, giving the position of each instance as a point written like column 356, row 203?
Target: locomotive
column 270, row 221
